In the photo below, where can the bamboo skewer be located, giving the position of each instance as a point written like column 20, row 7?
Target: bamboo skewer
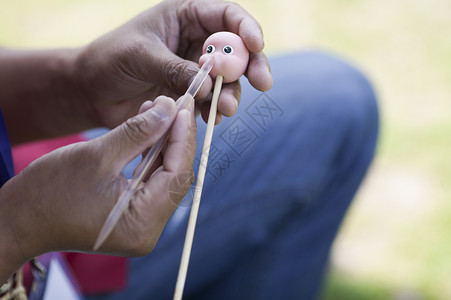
column 181, row 278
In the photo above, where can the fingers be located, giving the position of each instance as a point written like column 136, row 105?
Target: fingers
column 229, row 99
column 176, row 73
column 259, row 75
column 234, row 18
column 259, row 72
column 138, row 133
column 180, row 152
column 169, row 184
column 145, row 106
column 152, row 206
column 212, row 16
column 205, row 112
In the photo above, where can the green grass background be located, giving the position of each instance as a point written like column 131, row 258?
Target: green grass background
column 395, row 242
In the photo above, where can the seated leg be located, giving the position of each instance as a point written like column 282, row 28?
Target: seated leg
column 281, row 175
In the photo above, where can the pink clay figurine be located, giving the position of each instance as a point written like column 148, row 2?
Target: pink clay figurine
column 230, row 55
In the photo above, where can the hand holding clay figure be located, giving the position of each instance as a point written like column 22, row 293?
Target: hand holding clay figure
column 230, row 55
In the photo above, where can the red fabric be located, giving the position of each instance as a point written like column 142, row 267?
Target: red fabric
column 24, row 154
column 98, row 273
column 95, row 273
column 27, row 276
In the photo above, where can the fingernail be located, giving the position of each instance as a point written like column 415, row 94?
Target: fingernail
column 270, row 79
column 218, row 119
column 162, row 109
column 145, row 106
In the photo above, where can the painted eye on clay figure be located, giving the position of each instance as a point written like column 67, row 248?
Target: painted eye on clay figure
column 210, row 49
column 227, row 50
column 232, row 61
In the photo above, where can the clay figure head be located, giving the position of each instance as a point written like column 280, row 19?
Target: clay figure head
column 230, row 55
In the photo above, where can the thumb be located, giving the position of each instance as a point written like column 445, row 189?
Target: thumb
column 176, row 73
column 132, row 137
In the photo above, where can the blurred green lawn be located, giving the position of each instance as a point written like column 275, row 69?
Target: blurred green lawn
column 395, row 241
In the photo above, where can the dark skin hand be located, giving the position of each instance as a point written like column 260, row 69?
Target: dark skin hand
column 156, row 53
column 160, row 54
column 61, row 200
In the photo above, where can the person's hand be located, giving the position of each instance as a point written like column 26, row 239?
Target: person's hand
column 157, row 53
column 60, row 201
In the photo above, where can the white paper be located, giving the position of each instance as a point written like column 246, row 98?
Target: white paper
column 58, row 284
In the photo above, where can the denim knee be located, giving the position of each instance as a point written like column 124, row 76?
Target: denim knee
column 325, row 87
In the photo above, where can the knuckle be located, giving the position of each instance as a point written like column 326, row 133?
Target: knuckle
column 175, row 72
column 132, row 49
column 137, row 129
column 83, row 153
column 128, row 58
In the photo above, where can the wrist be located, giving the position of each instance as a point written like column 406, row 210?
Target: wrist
column 65, row 86
column 41, row 98
column 102, row 83
column 82, row 73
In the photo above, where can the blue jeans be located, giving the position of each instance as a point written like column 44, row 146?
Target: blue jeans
column 281, row 175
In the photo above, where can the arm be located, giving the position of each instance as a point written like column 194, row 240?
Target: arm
column 61, row 200
column 39, row 96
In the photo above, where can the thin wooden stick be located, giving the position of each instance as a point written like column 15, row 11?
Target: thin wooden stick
column 181, row 278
